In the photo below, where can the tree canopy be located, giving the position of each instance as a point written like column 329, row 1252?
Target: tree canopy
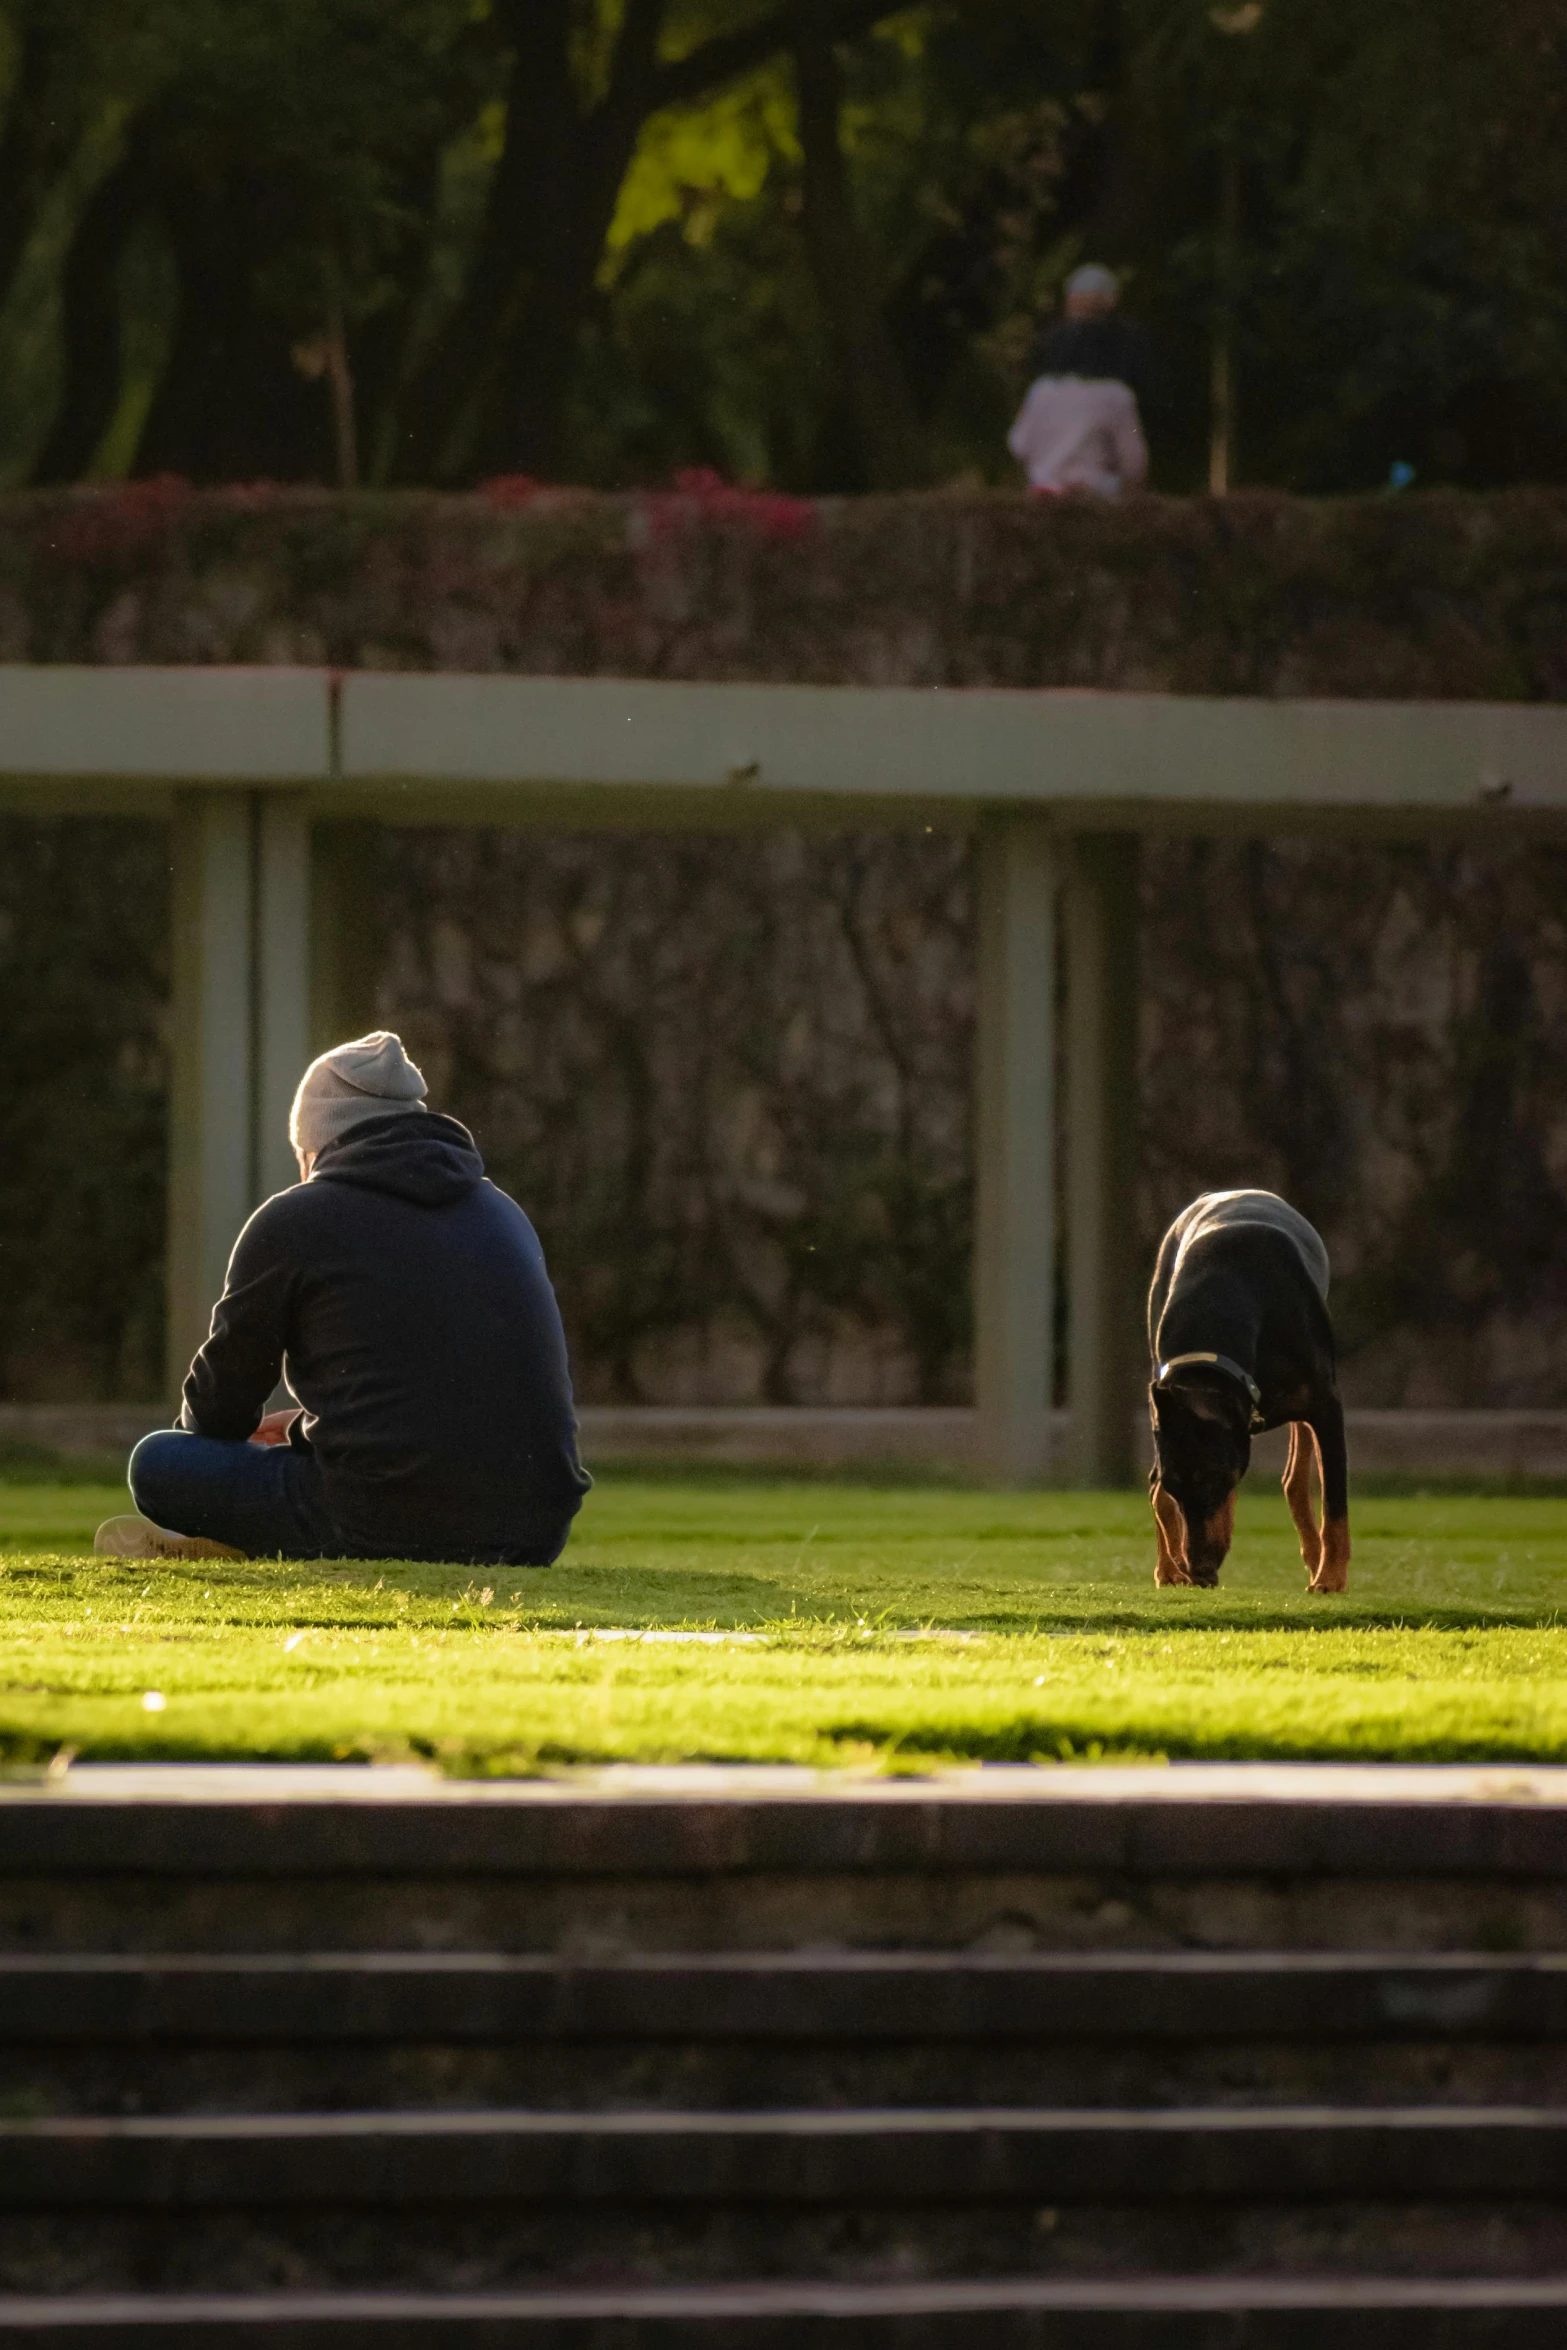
column 800, row 242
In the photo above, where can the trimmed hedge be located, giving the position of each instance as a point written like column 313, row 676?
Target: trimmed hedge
column 1444, row 594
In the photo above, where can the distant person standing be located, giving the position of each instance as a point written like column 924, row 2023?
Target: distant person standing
column 1079, row 426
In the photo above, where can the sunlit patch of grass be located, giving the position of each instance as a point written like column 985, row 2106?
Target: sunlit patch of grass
column 889, row 1628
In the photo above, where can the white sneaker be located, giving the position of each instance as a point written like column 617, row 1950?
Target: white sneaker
column 139, row 1538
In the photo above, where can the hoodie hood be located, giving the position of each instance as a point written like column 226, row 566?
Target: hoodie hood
column 431, row 1161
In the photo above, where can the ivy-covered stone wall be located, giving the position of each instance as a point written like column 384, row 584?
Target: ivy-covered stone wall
column 1448, row 595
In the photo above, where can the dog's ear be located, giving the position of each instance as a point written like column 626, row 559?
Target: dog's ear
column 1181, row 1403
column 1207, row 1403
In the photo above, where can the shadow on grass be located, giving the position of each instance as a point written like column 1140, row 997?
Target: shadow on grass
column 1307, row 1616
column 26, row 1464
column 1029, row 1738
column 1469, row 1488
column 570, row 1598
column 594, row 1597
column 332, row 1594
column 895, row 1476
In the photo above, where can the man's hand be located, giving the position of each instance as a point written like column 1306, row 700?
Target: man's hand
column 275, row 1427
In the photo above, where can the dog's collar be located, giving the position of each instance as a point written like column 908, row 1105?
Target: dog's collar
column 1224, row 1363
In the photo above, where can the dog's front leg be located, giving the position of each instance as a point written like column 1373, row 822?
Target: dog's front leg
column 1170, row 1566
column 1327, row 1427
column 1297, row 1492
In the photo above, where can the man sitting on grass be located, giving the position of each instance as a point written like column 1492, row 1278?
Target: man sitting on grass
column 406, row 1299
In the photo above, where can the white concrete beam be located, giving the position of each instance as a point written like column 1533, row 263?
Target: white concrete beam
column 170, row 725
column 374, row 742
column 1138, row 753
column 1014, row 1249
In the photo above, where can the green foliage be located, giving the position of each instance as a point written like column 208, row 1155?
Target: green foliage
column 1402, row 183
column 569, row 237
column 882, row 1629
column 694, row 163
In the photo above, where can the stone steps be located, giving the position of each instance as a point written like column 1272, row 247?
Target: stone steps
column 1185, row 2057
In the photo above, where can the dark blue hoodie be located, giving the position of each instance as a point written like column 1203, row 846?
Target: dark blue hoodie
column 406, row 1300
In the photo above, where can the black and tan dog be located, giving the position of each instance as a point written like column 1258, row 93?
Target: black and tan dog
column 1239, row 1332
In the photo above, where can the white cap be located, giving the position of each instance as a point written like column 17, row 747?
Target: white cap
column 1095, row 280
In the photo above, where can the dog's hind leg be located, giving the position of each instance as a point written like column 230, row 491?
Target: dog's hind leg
column 1297, row 1492
column 1327, row 1429
column 1170, row 1566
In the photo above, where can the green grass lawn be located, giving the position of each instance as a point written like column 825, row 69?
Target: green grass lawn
column 856, row 1625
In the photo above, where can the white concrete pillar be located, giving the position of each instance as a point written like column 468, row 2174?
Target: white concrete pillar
column 240, row 1033
column 1014, row 1271
column 211, row 1059
column 282, row 980
column 1104, row 1339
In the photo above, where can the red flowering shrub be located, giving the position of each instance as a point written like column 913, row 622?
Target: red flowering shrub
column 511, row 492
column 700, row 493
column 256, row 497
column 126, row 520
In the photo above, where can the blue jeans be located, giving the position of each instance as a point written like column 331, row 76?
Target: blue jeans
column 266, row 1499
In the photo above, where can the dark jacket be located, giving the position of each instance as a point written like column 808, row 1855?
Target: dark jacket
column 406, row 1299
column 1101, row 350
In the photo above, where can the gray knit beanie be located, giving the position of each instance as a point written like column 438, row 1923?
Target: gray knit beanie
column 370, row 1078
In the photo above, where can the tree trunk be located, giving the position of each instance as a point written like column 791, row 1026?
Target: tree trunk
column 490, row 397
column 91, row 324
column 891, row 450
column 340, row 378
column 1221, row 428
column 532, row 205
column 521, row 426
column 40, row 132
column 232, row 404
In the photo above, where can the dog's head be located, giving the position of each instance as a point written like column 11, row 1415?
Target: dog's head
column 1202, row 1447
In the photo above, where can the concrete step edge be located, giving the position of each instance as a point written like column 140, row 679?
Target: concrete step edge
column 889, row 2158
column 788, row 2122
column 225, row 1823
column 378, row 1997
column 769, row 2299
